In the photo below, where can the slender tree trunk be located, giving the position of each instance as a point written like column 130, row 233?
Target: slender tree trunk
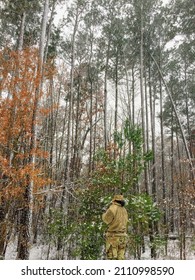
column 70, row 109
column 105, row 97
column 147, row 116
column 172, row 220
column 116, row 100
column 43, row 32
column 49, row 30
column 142, row 97
column 3, row 226
column 164, row 191
column 77, row 135
column 91, row 108
column 129, row 97
column 152, row 119
column 182, row 214
column 91, row 127
column 70, row 136
column 60, row 147
column 116, row 96
column 133, row 94
column 21, row 34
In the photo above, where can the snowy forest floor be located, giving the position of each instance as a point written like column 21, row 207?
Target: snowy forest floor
column 40, row 251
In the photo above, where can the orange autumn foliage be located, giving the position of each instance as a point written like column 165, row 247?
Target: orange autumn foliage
column 19, row 83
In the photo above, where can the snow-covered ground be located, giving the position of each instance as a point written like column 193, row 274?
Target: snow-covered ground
column 40, row 252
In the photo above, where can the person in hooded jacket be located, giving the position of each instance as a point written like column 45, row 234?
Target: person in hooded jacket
column 116, row 218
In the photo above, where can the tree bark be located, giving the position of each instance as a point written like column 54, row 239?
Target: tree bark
column 145, row 188
column 105, row 96
column 21, row 35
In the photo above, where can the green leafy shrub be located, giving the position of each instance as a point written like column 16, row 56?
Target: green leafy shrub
column 116, row 171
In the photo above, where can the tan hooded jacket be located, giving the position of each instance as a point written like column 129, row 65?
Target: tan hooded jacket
column 116, row 218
